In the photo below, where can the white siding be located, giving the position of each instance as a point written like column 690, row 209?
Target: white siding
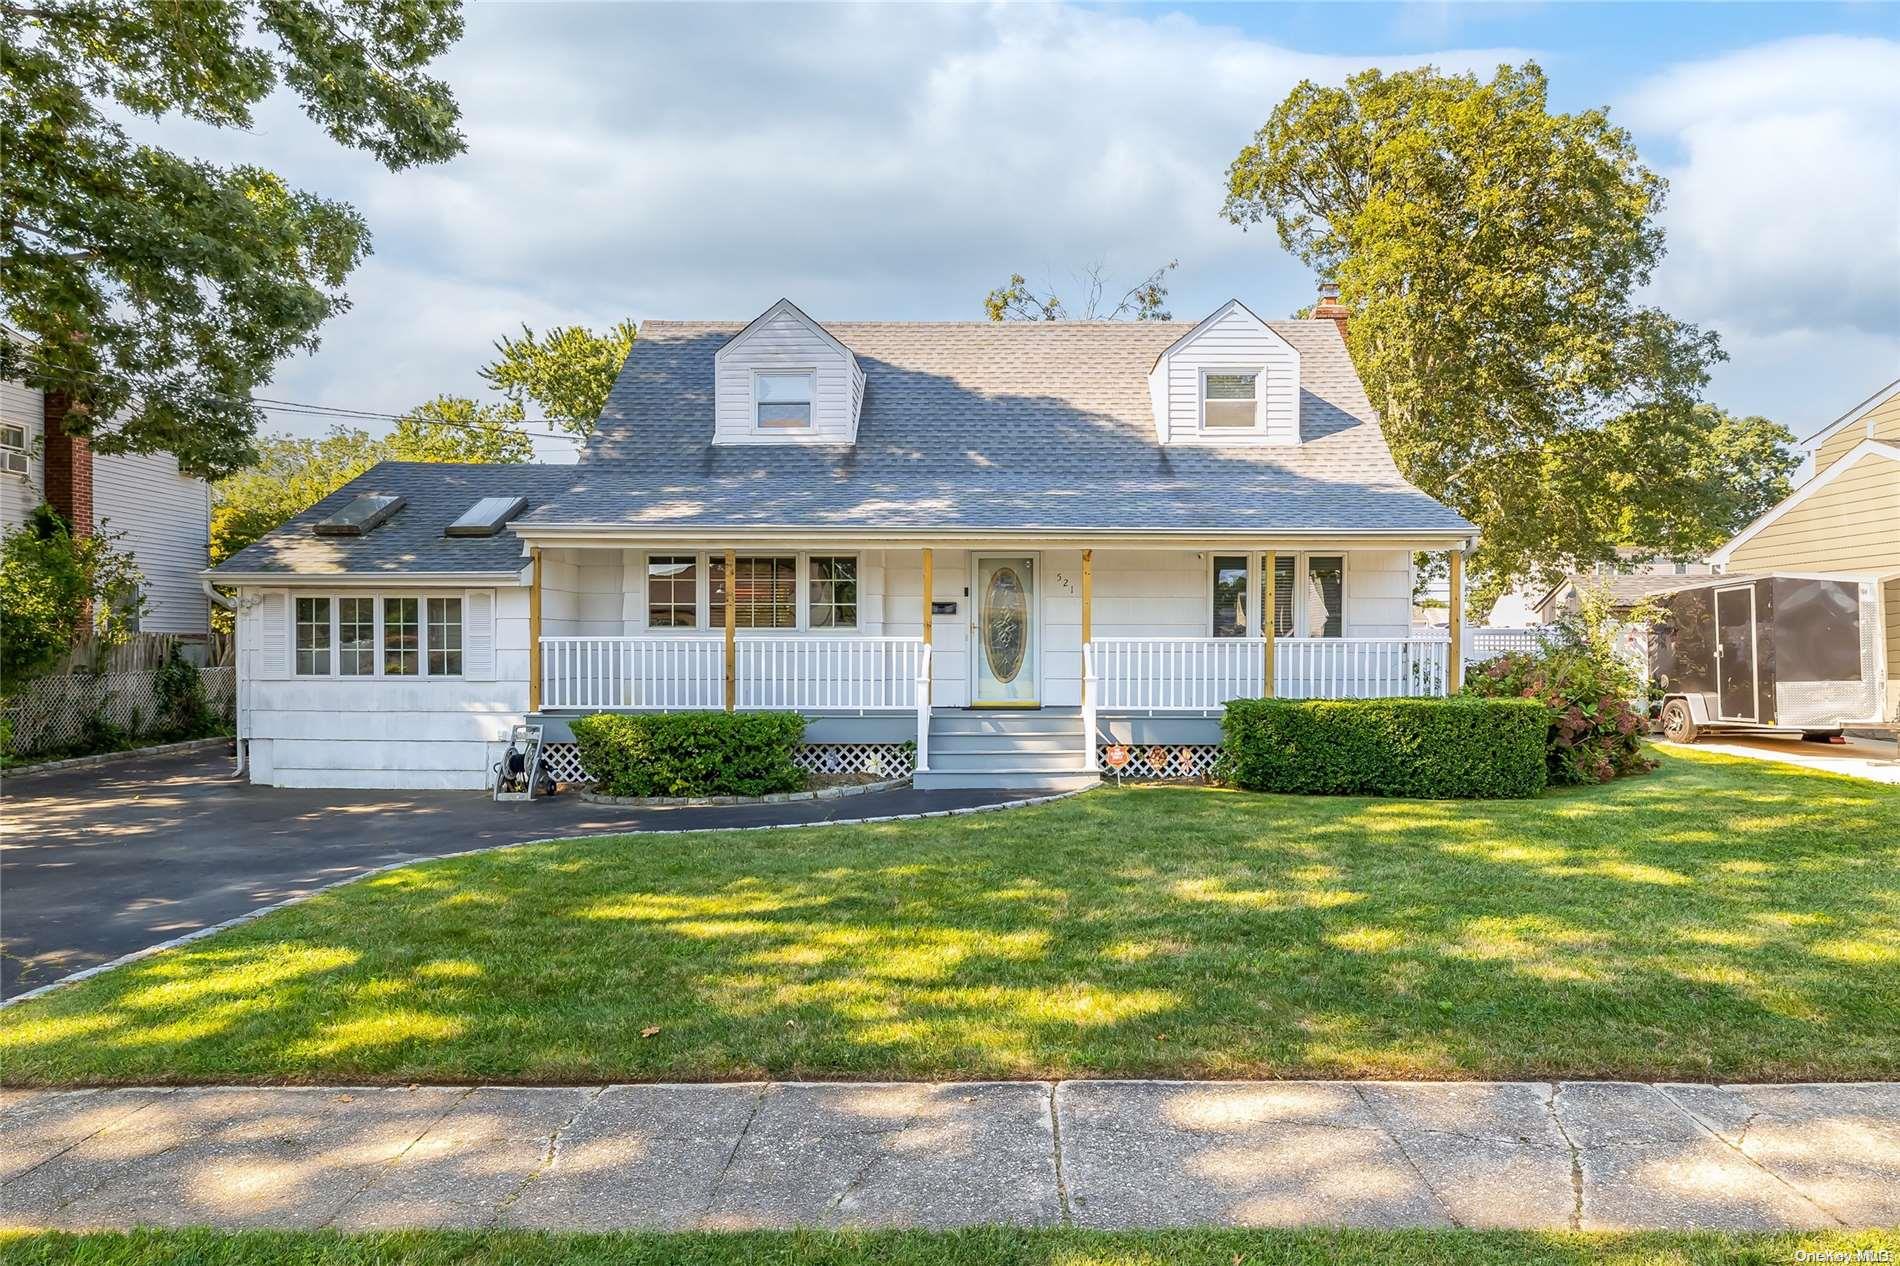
column 786, row 340
column 1233, row 339
column 380, row 732
column 166, row 519
column 22, row 406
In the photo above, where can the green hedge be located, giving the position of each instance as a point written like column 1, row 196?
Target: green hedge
column 691, row 753
column 1443, row 749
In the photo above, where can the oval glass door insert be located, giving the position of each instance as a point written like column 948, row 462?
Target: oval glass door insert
column 1005, row 624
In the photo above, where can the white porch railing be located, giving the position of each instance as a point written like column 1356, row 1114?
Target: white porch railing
column 844, row 674
column 1200, row 674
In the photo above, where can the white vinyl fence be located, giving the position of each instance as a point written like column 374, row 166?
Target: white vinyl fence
column 52, row 714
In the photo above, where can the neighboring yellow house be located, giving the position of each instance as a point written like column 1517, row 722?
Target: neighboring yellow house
column 1846, row 518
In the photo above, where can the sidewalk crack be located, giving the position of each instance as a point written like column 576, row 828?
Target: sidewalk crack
column 712, row 1192
column 1055, row 1140
column 115, row 1124
column 884, row 1138
column 1372, row 1110
column 548, row 1156
column 1736, row 1147
column 380, row 1172
column 1576, row 1157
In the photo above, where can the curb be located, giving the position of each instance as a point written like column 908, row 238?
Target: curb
column 113, row 758
column 261, row 911
column 777, row 797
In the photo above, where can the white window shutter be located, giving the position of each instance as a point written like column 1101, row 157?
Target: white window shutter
column 478, row 635
column 273, row 634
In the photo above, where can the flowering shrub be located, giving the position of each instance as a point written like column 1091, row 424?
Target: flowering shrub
column 1596, row 699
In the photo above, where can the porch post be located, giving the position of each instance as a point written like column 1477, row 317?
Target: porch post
column 925, row 669
column 1455, row 624
column 1090, row 686
column 929, row 591
column 1268, row 608
column 732, row 630
column 534, row 629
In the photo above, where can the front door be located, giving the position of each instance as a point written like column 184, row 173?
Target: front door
column 1735, row 652
column 1005, row 635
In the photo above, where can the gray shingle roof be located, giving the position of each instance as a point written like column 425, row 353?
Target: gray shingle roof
column 411, row 543
column 975, row 425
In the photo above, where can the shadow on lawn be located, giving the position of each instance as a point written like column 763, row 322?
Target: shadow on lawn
column 1707, row 921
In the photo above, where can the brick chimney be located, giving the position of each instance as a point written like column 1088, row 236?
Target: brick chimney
column 1329, row 308
column 68, row 466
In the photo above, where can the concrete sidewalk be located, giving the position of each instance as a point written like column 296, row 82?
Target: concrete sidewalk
column 1098, row 1154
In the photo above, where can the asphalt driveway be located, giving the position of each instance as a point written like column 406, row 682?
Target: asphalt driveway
column 95, row 863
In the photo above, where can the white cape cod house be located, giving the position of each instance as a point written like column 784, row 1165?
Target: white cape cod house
column 986, row 550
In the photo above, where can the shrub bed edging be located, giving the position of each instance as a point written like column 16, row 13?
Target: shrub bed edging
column 777, row 797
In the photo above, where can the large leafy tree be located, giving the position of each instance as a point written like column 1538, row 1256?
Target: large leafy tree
column 293, row 473
column 1145, row 300
column 159, row 291
column 1492, row 253
column 565, row 373
column 458, row 429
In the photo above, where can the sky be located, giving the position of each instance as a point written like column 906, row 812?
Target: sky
column 898, row 161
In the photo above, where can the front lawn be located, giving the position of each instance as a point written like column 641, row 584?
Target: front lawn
column 1719, row 919
column 984, row 1247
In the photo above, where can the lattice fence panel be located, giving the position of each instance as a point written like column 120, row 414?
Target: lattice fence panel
column 52, row 714
column 885, row 760
column 1178, row 761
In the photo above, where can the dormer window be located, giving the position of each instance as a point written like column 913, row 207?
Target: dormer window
column 1230, row 400
column 781, row 400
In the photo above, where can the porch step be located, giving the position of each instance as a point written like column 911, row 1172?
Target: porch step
column 1003, row 744
column 950, row 762
column 1006, row 722
column 1047, row 780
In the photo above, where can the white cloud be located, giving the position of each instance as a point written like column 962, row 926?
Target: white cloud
column 1784, row 210
column 701, row 161
column 898, row 161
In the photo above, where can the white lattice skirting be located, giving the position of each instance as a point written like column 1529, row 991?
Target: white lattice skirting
column 1180, row 761
column 882, row 760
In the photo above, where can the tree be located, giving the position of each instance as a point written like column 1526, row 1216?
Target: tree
column 1142, row 301
column 156, row 291
column 1490, row 251
column 290, row 475
column 56, row 588
column 566, row 373
column 458, row 429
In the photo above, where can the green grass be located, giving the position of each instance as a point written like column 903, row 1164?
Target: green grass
column 918, row 1248
column 1719, row 919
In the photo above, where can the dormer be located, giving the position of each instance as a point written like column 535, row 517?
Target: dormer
column 1231, row 380
column 784, row 380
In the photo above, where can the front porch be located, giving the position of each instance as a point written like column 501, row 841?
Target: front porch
column 888, row 650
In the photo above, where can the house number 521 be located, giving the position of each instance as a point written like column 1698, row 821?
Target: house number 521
column 1063, row 580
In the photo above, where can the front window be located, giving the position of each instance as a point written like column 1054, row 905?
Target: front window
column 1283, row 595
column 356, row 637
column 1326, row 596
column 1230, row 597
column 782, row 401
column 313, row 637
column 672, row 591
column 834, row 593
column 402, row 637
column 1228, row 400
column 764, row 592
column 445, row 637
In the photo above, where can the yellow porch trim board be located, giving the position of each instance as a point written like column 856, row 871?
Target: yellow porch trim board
column 1455, row 669
column 732, row 630
column 534, row 630
column 1269, row 616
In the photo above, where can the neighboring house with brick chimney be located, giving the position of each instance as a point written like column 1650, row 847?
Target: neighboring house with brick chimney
column 165, row 516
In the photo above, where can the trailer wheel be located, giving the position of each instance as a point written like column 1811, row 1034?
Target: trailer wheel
column 1677, row 724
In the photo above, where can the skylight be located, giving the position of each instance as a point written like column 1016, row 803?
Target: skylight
column 486, row 516
column 360, row 517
